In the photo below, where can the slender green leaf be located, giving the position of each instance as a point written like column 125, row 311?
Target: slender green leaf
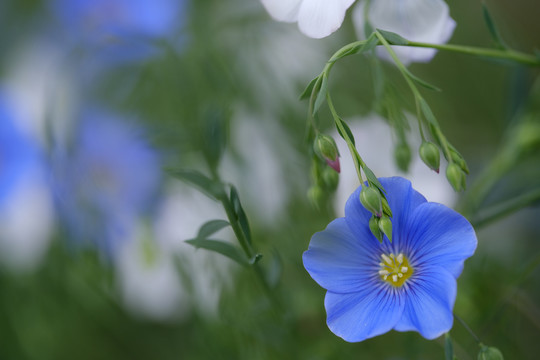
column 348, row 133
column 393, row 38
column 426, row 110
column 421, row 82
column 309, row 89
column 321, row 96
column 213, row 189
column 220, row 247
column 211, row 227
column 240, row 214
column 497, row 39
column 255, row 259
column 372, row 179
column 448, row 347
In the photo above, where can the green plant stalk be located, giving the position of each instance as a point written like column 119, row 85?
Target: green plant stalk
column 244, row 243
column 507, row 208
column 358, row 162
column 415, row 91
column 511, row 55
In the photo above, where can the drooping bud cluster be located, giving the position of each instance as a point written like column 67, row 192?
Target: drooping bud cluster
column 402, row 155
column 325, row 178
column 325, row 147
column 430, row 155
column 374, row 201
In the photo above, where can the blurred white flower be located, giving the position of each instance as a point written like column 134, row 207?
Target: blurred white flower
column 316, row 18
column 26, row 219
column 416, row 20
column 148, row 280
column 373, row 138
column 207, row 273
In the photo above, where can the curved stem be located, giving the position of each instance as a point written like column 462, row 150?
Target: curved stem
column 511, row 55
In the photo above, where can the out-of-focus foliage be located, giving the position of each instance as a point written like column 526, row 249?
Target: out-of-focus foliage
column 216, row 90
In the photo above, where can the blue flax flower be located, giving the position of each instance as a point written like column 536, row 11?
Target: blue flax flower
column 406, row 285
column 17, row 153
column 106, row 181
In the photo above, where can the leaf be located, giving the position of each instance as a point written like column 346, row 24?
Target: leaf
column 255, row 259
column 426, row 110
column 372, row 179
column 370, row 43
column 309, row 89
column 212, row 188
column 421, row 82
column 497, row 39
column 220, row 247
column 348, row 133
column 321, row 95
column 240, row 214
column 211, row 227
column 448, row 347
column 393, row 38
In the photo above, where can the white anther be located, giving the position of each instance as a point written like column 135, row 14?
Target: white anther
column 400, row 259
column 381, row 264
column 387, row 259
column 400, row 275
column 384, row 272
column 404, row 269
column 394, row 278
column 392, row 256
column 385, row 277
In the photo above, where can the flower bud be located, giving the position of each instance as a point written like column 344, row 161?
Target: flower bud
column 371, row 199
column 386, row 226
column 315, row 195
column 325, row 147
column 490, row 353
column 330, row 178
column 455, row 176
column 402, row 156
column 458, row 159
column 430, row 155
column 374, row 227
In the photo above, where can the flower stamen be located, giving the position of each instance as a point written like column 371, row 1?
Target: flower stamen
column 395, row 269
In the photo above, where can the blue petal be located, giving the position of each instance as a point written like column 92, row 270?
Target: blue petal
column 365, row 314
column 438, row 235
column 402, row 198
column 342, row 261
column 429, row 298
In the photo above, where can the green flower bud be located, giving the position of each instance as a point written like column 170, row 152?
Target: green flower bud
column 402, row 156
column 490, row 353
column 325, row 146
column 458, row 159
column 385, row 207
column 374, row 227
column 386, row 227
column 330, row 178
column 371, row 199
column 455, row 176
column 315, row 195
column 430, row 155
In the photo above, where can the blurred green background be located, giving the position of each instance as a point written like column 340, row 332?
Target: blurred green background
column 235, row 67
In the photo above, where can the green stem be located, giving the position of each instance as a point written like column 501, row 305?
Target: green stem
column 244, row 243
column 464, row 324
column 506, row 208
column 511, row 55
column 358, row 162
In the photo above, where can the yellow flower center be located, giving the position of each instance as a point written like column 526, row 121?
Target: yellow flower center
column 395, row 269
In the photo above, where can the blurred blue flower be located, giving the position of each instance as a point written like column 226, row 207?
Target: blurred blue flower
column 115, row 31
column 106, row 180
column 17, row 152
column 407, row 285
